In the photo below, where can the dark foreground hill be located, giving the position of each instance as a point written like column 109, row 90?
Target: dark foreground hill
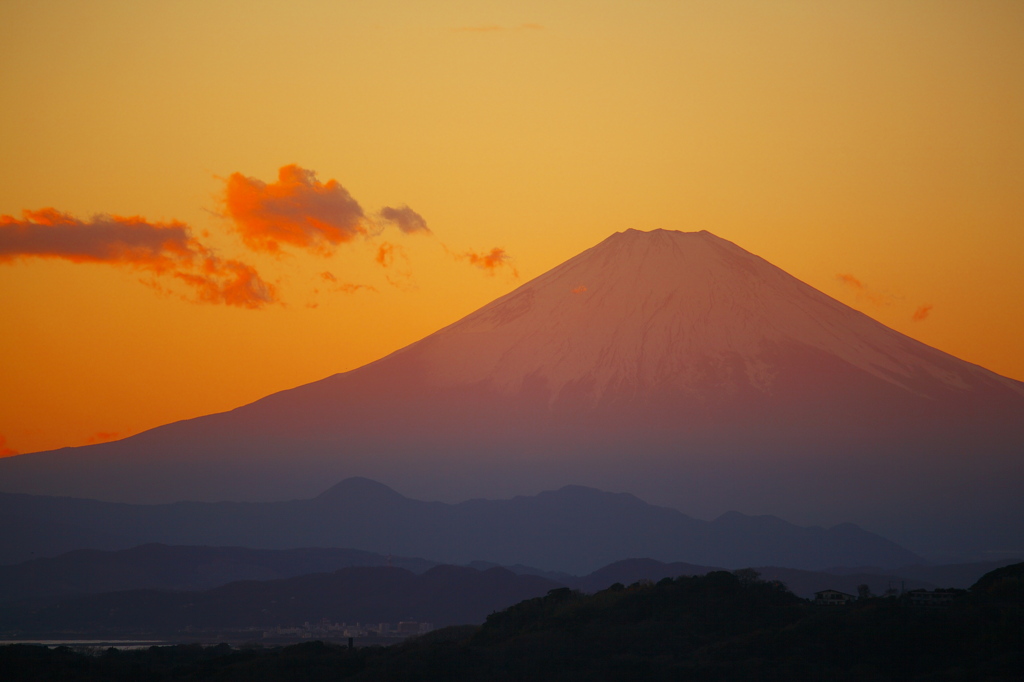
column 575, row 530
column 718, row 627
column 168, row 592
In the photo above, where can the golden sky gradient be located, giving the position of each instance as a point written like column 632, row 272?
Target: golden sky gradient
column 874, row 150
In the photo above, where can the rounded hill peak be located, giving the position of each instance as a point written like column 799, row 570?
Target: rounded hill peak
column 357, row 489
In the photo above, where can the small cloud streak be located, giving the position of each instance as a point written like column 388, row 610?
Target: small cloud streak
column 922, row 312
column 407, row 220
column 352, row 288
column 297, row 210
column 385, row 255
column 579, row 290
column 4, row 450
column 162, row 249
column 862, row 290
column 490, row 262
column 102, row 437
column 344, row 287
column 850, row 280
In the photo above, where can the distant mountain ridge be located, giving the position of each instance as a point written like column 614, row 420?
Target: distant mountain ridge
column 575, row 529
column 41, row 582
column 177, row 568
column 673, row 365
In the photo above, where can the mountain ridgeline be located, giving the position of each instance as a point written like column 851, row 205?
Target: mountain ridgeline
column 573, row 530
column 675, row 366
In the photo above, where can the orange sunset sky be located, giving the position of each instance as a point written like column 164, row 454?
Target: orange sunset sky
column 206, row 202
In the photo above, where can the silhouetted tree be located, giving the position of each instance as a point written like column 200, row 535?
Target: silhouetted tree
column 747, row 575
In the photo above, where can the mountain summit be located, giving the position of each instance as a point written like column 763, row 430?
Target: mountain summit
column 672, row 365
column 644, row 313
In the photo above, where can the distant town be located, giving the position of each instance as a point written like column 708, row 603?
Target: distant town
column 327, row 631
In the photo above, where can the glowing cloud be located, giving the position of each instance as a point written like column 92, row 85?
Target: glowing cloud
column 922, row 312
column 163, row 249
column 578, row 290
column 408, row 220
column 490, row 262
column 230, row 282
column 4, row 450
column 48, row 233
column 297, row 210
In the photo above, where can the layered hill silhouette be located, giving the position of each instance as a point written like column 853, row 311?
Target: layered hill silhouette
column 575, row 530
column 445, row 595
column 369, row 594
column 177, row 568
column 196, row 568
column 675, row 366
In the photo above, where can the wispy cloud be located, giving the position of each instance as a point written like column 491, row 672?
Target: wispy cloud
column 297, row 210
column 350, row 288
column 394, row 259
column 345, row 287
column 922, row 312
column 161, row 249
column 385, row 255
column 850, row 280
column 862, row 290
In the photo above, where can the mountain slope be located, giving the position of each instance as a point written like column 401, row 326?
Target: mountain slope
column 675, row 366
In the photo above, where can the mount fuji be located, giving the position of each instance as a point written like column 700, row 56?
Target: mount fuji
column 675, row 366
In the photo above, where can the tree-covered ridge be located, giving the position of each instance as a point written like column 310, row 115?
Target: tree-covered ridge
column 717, row 604
column 721, row 626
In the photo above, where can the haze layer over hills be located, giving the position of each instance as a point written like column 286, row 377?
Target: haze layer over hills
column 674, row 366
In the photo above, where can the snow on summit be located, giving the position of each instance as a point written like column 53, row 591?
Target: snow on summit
column 650, row 311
